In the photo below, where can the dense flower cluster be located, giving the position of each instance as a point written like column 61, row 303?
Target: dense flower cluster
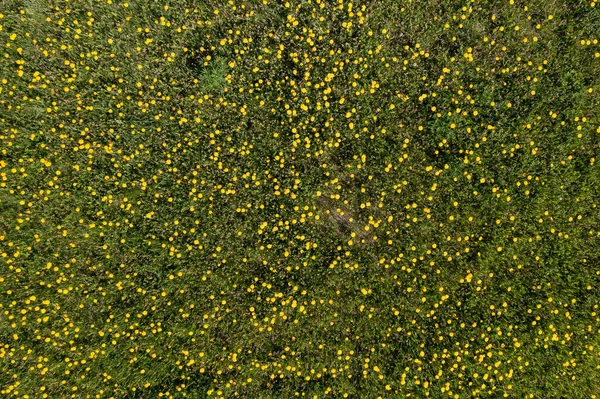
column 305, row 198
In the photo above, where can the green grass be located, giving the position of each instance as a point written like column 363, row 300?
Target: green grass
column 308, row 199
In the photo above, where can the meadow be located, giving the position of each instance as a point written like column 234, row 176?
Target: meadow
column 308, row 198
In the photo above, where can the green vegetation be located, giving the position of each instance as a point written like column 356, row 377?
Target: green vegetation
column 319, row 199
